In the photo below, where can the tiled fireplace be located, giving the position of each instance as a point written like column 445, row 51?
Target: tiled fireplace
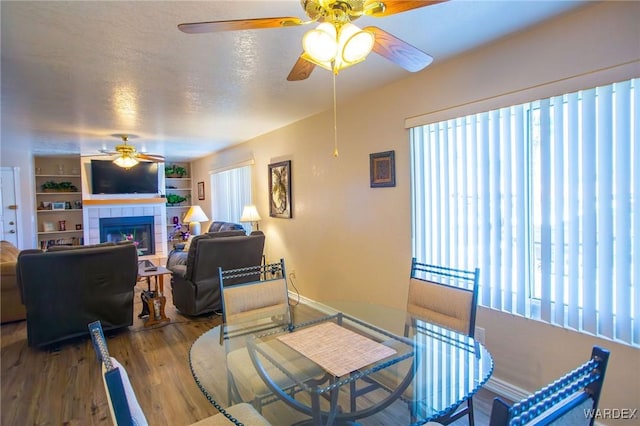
column 96, row 211
column 138, row 229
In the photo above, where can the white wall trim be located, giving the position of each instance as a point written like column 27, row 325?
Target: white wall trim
column 310, row 302
column 505, row 389
column 249, row 162
column 570, row 84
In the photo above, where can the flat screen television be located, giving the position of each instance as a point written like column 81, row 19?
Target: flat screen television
column 107, row 178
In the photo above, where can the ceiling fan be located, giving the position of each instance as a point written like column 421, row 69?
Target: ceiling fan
column 336, row 43
column 128, row 156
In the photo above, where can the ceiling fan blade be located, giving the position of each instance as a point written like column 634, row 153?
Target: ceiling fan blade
column 399, row 52
column 391, row 7
column 239, row 24
column 150, row 157
column 301, row 70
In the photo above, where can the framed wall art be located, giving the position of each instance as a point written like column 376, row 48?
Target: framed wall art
column 201, row 190
column 280, row 190
column 382, row 169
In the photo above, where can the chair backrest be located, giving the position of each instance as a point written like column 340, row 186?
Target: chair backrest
column 445, row 296
column 98, row 281
column 210, row 251
column 258, row 304
column 560, row 398
column 123, row 404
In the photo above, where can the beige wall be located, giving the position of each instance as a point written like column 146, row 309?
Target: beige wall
column 349, row 241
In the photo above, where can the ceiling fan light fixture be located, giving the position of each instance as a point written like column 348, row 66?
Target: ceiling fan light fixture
column 125, row 161
column 354, row 44
column 320, row 43
column 335, row 49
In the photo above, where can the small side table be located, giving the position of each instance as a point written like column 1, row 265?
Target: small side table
column 156, row 304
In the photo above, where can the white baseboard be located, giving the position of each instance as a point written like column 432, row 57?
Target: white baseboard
column 505, row 390
column 310, row 302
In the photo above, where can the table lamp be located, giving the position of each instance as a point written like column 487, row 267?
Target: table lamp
column 250, row 214
column 194, row 216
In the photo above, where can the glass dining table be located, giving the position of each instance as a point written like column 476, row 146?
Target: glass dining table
column 370, row 368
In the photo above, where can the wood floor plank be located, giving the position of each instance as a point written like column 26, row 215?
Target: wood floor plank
column 64, row 387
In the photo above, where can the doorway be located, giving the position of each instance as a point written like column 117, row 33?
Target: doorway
column 10, row 200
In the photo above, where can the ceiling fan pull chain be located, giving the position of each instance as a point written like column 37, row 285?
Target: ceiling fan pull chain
column 335, row 119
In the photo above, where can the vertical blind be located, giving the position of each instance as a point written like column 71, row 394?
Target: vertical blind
column 230, row 192
column 543, row 198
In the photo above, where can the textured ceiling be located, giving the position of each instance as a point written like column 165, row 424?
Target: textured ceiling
column 76, row 73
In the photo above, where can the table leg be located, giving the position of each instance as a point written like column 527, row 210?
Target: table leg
column 157, row 304
column 163, row 300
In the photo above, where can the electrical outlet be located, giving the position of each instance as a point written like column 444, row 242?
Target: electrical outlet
column 292, row 274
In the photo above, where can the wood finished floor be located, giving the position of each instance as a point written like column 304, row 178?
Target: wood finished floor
column 64, row 387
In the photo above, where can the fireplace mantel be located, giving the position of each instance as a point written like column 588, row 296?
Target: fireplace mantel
column 102, row 202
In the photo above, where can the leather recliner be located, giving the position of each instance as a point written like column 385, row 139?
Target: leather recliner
column 195, row 283
column 64, row 290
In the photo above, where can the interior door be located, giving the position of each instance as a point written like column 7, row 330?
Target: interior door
column 9, row 220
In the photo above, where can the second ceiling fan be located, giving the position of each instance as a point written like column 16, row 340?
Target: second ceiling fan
column 336, row 43
column 128, row 156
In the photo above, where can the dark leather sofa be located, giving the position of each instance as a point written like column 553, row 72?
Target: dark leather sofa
column 66, row 289
column 194, row 279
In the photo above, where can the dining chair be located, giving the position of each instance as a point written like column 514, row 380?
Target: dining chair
column 567, row 400
column 257, row 306
column 123, row 404
column 445, row 296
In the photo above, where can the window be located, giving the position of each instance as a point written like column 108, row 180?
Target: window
column 230, row 192
column 543, row 198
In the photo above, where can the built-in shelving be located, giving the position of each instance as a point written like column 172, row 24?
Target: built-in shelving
column 58, row 212
column 179, row 186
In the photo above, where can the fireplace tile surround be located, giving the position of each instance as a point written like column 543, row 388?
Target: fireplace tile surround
column 126, row 208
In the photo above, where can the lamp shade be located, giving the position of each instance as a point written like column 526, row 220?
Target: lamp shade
column 194, row 216
column 250, row 214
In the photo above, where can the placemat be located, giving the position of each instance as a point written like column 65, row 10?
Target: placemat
column 336, row 349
